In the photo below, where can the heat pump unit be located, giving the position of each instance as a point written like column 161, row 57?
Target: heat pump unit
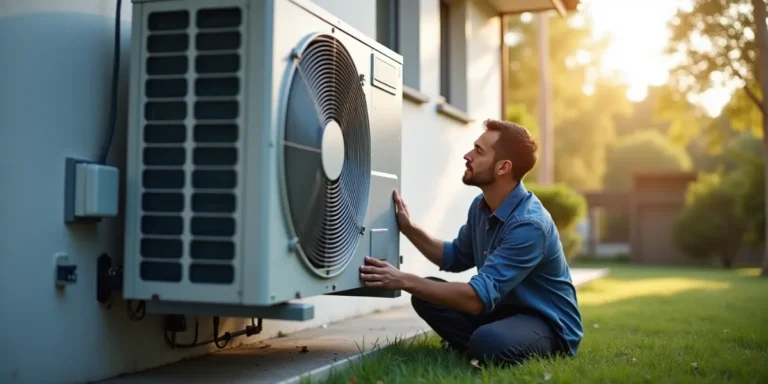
column 263, row 150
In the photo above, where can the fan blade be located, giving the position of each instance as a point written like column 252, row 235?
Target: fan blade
column 306, row 191
column 303, row 125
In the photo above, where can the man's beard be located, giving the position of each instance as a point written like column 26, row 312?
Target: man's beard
column 479, row 179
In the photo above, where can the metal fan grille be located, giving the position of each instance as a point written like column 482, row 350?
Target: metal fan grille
column 327, row 214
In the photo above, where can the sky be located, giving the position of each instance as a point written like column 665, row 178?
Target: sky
column 639, row 35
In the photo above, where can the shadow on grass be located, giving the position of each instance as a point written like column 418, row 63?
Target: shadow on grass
column 641, row 324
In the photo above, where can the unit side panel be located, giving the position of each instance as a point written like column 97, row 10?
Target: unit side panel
column 382, row 240
column 289, row 277
column 131, row 258
column 186, row 222
column 386, row 114
column 260, row 158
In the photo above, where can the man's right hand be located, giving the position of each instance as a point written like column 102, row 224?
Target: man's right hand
column 401, row 211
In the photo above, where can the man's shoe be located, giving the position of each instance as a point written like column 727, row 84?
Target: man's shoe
column 445, row 345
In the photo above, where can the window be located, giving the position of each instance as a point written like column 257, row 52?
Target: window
column 445, row 50
column 388, row 24
column 397, row 28
column 453, row 59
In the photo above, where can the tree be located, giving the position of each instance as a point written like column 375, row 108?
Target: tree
column 666, row 111
column 584, row 103
column 744, row 157
column 644, row 151
column 726, row 42
column 694, row 230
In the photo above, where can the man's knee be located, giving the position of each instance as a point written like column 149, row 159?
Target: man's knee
column 493, row 344
column 486, row 345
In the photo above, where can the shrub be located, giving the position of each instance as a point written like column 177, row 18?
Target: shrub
column 744, row 156
column 712, row 222
column 567, row 208
column 572, row 242
column 752, row 204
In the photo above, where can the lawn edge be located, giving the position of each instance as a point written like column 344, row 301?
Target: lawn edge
column 326, row 370
column 323, row 372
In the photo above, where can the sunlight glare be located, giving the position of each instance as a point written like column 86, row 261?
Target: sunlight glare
column 603, row 291
column 583, row 57
column 577, row 21
column 639, row 34
column 637, row 94
column 712, row 100
column 513, row 38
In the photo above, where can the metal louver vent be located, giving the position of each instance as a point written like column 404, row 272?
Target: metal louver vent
column 326, row 155
column 191, row 140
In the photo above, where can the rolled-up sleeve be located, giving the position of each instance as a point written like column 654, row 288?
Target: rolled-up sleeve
column 520, row 250
column 457, row 254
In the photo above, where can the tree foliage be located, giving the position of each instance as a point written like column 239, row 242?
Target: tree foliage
column 715, row 42
column 721, row 43
column 696, row 231
column 583, row 123
column 644, row 151
column 725, row 209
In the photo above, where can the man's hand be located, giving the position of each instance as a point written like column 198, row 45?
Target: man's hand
column 460, row 296
column 380, row 274
column 401, row 210
column 429, row 246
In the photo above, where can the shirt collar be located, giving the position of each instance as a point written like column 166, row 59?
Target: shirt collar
column 509, row 203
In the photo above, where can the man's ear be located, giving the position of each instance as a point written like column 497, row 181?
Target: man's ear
column 504, row 167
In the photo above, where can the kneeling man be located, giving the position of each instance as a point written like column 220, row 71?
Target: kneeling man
column 522, row 301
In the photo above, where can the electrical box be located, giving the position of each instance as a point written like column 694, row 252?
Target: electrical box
column 92, row 190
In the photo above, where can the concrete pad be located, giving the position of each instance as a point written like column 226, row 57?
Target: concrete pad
column 314, row 352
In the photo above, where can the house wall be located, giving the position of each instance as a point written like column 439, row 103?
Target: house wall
column 54, row 103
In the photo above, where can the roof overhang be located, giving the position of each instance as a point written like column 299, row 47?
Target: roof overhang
column 505, row 7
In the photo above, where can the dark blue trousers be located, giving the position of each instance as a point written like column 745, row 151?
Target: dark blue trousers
column 505, row 336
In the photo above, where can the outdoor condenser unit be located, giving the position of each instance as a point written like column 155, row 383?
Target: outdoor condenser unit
column 263, row 150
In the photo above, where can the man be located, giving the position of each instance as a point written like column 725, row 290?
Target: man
column 522, row 301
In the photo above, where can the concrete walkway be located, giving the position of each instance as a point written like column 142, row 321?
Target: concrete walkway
column 312, row 352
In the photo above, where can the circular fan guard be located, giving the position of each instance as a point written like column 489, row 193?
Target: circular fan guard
column 326, row 214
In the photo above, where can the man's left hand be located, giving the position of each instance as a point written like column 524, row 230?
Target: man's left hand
column 380, row 274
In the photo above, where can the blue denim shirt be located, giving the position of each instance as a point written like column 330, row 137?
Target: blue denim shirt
column 519, row 260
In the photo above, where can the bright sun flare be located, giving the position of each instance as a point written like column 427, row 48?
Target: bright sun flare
column 639, row 31
column 639, row 35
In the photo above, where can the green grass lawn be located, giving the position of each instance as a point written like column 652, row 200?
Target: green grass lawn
column 641, row 324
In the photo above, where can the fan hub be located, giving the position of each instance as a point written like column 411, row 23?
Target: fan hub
column 332, row 149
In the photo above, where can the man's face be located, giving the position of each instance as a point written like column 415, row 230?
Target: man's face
column 480, row 165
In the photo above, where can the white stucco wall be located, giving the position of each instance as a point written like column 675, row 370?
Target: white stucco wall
column 54, row 94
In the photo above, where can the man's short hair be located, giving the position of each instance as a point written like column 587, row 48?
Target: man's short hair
column 515, row 144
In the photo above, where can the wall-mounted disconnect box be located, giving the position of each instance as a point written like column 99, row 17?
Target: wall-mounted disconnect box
column 65, row 272
column 91, row 191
